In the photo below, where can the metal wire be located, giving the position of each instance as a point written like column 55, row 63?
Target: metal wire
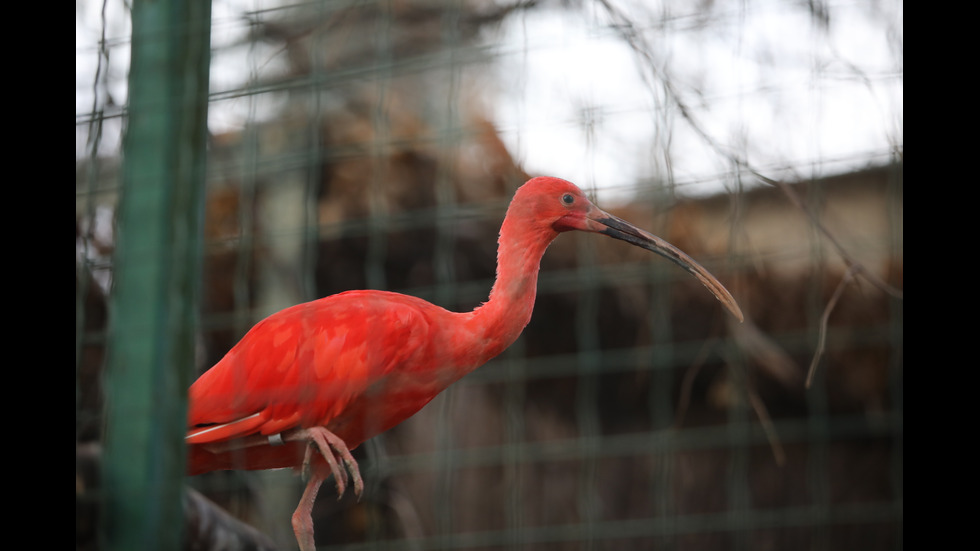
column 359, row 144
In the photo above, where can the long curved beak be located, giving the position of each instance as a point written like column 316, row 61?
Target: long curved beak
column 602, row 222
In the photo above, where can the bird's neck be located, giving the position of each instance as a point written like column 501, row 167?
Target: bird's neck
column 498, row 322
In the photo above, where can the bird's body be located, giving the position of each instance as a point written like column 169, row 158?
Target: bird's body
column 356, row 363
column 332, row 373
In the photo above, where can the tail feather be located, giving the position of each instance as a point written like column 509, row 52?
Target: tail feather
column 225, row 431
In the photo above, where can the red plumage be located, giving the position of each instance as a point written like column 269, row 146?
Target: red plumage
column 312, row 382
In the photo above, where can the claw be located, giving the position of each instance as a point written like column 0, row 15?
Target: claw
column 326, row 446
column 332, row 448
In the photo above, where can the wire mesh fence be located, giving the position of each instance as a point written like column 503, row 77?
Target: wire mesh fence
column 372, row 144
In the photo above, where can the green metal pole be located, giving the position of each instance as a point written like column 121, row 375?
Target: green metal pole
column 156, row 278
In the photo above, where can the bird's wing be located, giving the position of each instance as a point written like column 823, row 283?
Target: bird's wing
column 304, row 365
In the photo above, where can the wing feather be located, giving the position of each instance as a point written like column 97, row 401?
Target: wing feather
column 304, row 365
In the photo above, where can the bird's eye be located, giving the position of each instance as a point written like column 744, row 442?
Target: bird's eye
column 568, row 199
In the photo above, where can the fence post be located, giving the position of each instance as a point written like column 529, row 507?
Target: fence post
column 156, row 275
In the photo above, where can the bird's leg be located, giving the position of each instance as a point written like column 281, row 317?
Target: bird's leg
column 332, row 448
column 303, row 516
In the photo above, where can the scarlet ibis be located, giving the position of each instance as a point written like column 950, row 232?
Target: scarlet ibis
column 312, row 382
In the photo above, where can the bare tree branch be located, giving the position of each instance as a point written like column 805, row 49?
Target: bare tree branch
column 633, row 37
column 207, row 526
column 822, row 339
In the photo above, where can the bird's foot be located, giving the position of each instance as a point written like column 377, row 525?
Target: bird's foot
column 334, row 451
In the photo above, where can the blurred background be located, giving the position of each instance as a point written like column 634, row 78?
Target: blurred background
column 376, row 144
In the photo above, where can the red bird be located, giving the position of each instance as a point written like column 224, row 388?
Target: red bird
column 312, row 382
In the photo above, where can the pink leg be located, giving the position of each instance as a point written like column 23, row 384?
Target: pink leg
column 332, row 448
column 303, row 516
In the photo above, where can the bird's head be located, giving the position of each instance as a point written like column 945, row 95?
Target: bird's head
column 562, row 206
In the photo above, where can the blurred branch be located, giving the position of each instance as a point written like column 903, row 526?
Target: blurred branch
column 767, row 425
column 771, row 359
column 852, row 263
column 753, row 398
column 822, row 339
column 635, row 40
column 688, row 382
column 207, row 527
column 625, row 27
